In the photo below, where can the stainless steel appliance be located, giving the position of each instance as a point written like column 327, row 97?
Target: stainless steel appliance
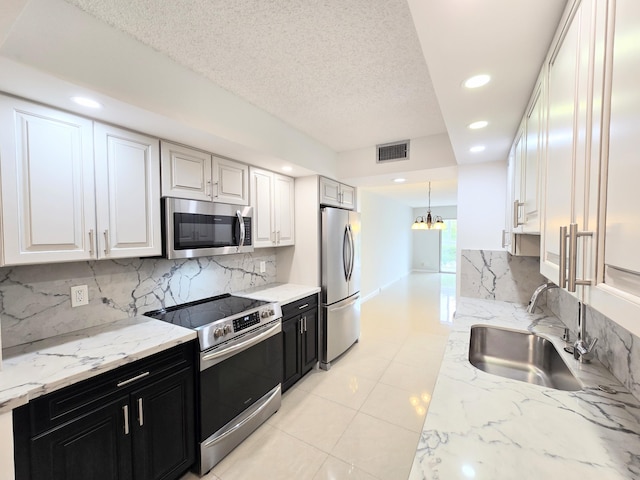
column 239, row 384
column 193, row 228
column 340, row 283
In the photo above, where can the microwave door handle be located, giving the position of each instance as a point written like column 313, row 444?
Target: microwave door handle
column 242, row 232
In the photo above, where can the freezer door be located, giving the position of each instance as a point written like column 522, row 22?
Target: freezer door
column 335, row 254
column 341, row 328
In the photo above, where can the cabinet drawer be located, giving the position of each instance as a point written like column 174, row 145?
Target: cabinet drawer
column 62, row 406
column 293, row 308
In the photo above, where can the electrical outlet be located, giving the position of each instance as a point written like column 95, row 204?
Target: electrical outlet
column 263, row 266
column 79, row 296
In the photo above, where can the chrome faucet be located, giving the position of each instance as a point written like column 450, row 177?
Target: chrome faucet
column 539, row 291
column 581, row 349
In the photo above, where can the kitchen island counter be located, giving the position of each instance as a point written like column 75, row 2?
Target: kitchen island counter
column 484, row 426
column 37, row 368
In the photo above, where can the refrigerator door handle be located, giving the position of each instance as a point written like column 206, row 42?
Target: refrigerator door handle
column 346, row 252
column 353, row 253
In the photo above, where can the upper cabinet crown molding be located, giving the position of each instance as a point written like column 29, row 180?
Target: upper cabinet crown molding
column 197, row 175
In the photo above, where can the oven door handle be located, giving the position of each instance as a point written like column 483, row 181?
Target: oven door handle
column 242, row 345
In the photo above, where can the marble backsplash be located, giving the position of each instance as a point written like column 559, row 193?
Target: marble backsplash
column 617, row 348
column 497, row 275
column 35, row 300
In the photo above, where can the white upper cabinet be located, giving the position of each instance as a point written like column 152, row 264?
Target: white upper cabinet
column 617, row 294
column 128, row 193
column 197, row 175
column 532, row 156
column 336, row 194
column 72, row 190
column 46, row 160
column 186, row 172
column 230, row 181
column 575, row 73
column 272, row 198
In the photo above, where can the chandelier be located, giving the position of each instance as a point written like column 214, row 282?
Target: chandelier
column 427, row 222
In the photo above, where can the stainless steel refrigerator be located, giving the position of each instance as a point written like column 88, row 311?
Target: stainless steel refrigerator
column 340, row 319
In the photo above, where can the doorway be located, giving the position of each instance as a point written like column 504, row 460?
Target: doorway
column 448, row 246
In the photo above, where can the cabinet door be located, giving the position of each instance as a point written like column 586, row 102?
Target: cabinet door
column 329, row 192
column 309, row 340
column 163, row 427
column 283, row 209
column 618, row 291
column 262, row 202
column 291, row 355
column 96, row 446
column 231, row 181
column 127, row 167
column 347, row 196
column 534, row 148
column 47, row 184
column 186, row 172
column 518, row 167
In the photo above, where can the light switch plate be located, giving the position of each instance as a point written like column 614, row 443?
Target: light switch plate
column 79, row 296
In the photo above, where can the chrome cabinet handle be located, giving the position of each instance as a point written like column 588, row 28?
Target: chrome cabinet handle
column 304, row 319
column 516, row 213
column 301, row 326
column 504, row 243
column 278, row 237
column 91, row 243
column 302, row 307
column 107, row 249
column 562, row 264
column 140, row 412
column 131, row 380
column 217, row 184
column 125, row 412
column 208, row 190
column 573, row 257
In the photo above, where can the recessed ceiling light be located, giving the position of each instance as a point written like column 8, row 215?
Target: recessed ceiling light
column 287, row 169
column 399, row 180
column 86, row 102
column 477, row 149
column 478, row 124
column 477, row 81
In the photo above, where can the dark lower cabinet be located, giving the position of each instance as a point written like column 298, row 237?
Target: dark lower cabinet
column 300, row 339
column 137, row 422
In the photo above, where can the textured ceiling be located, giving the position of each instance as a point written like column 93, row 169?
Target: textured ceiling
column 349, row 73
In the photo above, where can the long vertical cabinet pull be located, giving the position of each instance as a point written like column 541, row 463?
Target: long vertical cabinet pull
column 570, row 281
column 301, row 327
column 91, row 243
column 516, row 213
column 140, row 412
column 303, row 323
column 125, row 412
column 106, row 242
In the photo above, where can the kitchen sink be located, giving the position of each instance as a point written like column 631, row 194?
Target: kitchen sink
column 521, row 356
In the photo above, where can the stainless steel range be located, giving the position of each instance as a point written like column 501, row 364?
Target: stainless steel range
column 240, row 368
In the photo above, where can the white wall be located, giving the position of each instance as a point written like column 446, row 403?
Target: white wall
column 482, row 193
column 426, row 243
column 386, row 241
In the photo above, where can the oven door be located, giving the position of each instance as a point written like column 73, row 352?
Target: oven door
column 233, row 377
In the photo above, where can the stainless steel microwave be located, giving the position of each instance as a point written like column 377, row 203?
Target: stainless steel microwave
column 193, row 228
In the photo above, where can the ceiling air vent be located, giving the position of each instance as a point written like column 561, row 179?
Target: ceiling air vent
column 392, row 152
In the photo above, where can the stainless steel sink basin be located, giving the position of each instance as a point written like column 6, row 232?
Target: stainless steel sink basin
column 520, row 356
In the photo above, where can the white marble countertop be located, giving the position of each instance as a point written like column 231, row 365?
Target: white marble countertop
column 481, row 426
column 34, row 369
column 282, row 293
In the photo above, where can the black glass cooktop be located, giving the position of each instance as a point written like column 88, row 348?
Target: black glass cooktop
column 203, row 312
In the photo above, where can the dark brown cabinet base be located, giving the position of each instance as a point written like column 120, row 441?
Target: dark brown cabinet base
column 136, row 422
column 300, row 339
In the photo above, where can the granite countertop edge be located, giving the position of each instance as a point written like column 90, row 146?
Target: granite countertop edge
column 485, row 426
column 44, row 366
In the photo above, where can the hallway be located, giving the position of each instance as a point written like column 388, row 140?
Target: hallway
column 361, row 419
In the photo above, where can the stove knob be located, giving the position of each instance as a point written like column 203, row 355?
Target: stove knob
column 218, row 332
column 264, row 313
column 226, row 329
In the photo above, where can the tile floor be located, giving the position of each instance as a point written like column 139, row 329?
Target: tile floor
column 362, row 418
